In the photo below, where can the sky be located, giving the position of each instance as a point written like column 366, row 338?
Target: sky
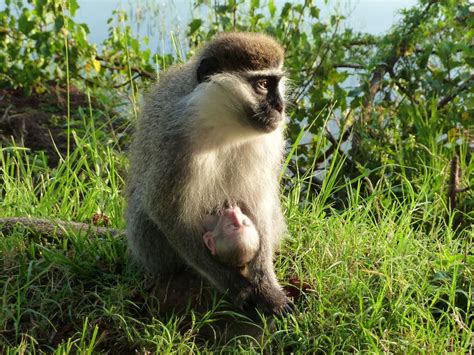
column 373, row 16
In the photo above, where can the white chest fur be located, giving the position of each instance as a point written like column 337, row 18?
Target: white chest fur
column 242, row 171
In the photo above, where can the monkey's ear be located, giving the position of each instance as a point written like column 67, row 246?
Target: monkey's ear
column 207, row 67
column 210, row 242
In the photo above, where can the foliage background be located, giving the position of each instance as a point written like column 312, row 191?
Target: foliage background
column 398, row 145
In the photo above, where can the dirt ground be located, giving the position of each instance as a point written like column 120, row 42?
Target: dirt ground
column 38, row 121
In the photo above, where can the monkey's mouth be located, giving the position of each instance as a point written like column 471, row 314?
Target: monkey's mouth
column 266, row 120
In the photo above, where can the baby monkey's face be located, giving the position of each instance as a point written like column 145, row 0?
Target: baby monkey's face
column 234, row 224
column 234, row 240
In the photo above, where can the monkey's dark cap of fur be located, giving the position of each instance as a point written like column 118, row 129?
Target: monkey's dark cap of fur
column 244, row 51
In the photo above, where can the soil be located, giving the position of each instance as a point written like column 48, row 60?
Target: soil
column 38, row 121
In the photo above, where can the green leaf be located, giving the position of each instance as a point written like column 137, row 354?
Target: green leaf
column 314, row 11
column 285, row 11
column 39, row 6
column 73, row 6
column 59, row 23
column 194, row 25
column 24, row 25
column 85, row 28
column 271, row 8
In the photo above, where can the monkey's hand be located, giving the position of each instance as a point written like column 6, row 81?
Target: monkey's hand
column 269, row 300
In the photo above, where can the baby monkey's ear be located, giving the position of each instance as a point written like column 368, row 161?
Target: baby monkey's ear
column 210, row 242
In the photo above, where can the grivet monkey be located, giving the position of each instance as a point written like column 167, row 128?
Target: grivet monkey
column 210, row 132
column 231, row 237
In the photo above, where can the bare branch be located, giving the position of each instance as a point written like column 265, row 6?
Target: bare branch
column 388, row 64
column 349, row 66
column 361, row 42
column 117, row 66
column 127, row 82
column 463, row 86
column 5, row 114
column 314, row 71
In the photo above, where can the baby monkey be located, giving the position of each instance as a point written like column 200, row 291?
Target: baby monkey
column 231, row 237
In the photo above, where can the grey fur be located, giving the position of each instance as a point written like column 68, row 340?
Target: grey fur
column 194, row 150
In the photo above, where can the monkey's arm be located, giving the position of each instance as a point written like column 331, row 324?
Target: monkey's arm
column 45, row 226
column 156, row 244
column 261, row 271
column 259, row 289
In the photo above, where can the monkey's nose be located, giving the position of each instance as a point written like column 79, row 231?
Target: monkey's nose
column 234, row 218
column 278, row 106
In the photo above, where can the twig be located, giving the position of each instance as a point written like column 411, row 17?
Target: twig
column 5, row 114
column 348, row 65
column 362, row 42
column 463, row 86
column 86, row 80
column 335, row 143
column 127, row 82
column 389, row 62
column 314, row 72
column 117, row 66
column 297, row 25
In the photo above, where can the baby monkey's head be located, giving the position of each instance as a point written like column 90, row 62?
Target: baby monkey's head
column 234, row 240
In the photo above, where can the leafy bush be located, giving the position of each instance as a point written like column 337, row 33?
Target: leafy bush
column 39, row 41
column 413, row 96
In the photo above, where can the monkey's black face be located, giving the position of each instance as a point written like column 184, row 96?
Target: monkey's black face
column 269, row 111
column 265, row 109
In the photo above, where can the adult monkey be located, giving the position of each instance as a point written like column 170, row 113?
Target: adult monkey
column 211, row 132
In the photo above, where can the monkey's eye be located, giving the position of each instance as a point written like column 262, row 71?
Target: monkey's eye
column 262, row 84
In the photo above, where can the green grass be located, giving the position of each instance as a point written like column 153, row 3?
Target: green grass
column 385, row 269
column 387, row 273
